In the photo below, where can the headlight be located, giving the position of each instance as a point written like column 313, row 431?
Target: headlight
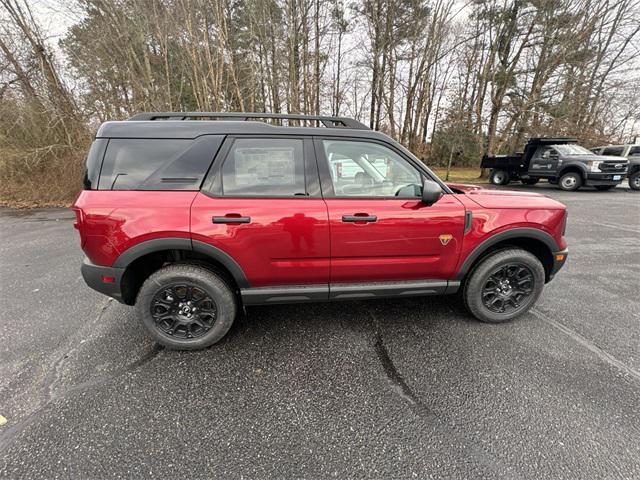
column 594, row 166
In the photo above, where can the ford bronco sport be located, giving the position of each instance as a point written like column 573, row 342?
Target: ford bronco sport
column 193, row 220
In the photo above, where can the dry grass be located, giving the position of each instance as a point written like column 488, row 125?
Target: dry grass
column 461, row 175
column 55, row 185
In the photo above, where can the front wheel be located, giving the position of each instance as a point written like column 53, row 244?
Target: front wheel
column 634, row 180
column 499, row 177
column 186, row 307
column 570, row 181
column 504, row 286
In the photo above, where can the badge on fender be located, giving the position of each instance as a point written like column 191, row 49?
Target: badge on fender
column 444, row 239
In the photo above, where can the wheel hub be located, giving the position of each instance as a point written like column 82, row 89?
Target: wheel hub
column 504, row 288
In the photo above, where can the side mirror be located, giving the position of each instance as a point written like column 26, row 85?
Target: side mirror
column 431, row 192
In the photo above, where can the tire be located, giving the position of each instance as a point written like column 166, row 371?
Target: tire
column 499, row 177
column 163, row 306
column 634, row 180
column 604, row 188
column 531, row 181
column 570, row 182
column 477, row 293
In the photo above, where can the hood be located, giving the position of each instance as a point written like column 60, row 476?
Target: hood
column 594, row 157
column 493, row 198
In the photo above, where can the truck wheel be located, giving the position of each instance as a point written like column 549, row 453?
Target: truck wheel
column 499, row 177
column 186, row 307
column 530, row 181
column 634, row 180
column 504, row 285
column 570, row 181
column 604, row 188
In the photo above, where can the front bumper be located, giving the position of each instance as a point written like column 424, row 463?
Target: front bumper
column 106, row 280
column 605, row 178
column 559, row 259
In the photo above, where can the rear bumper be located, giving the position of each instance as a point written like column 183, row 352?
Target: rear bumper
column 559, row 259
column 604, row 178
column 106, row 280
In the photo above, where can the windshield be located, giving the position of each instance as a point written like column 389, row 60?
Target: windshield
column 572, row 150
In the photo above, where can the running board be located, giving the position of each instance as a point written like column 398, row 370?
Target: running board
column 346, row 291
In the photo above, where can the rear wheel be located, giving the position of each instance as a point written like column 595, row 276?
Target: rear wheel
column 604, row 188
column 186, row 307
column 499, row 177
column 634, row 180
column 530, row 181
column 504, row 286
column 570, row 181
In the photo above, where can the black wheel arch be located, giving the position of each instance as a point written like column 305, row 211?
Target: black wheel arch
column 575, row 167
column 143, row 259
column 535, row 241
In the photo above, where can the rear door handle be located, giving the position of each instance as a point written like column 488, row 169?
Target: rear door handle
column 359, row 217
column 231, row 218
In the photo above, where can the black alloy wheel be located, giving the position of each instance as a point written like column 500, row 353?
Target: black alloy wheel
column 183, row 311
column 508, row 288
column 187, row 306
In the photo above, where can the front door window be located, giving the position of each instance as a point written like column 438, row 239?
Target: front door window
column 363, row 169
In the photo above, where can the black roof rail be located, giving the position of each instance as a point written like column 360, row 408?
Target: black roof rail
column 329, row 122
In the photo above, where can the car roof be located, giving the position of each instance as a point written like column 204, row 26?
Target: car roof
column 186, row 129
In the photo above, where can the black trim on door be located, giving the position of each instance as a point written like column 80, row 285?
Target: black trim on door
column 346, row 291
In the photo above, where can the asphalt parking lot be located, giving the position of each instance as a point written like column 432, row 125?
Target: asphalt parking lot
column 402, row 388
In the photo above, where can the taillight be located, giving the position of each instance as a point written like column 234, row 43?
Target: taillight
column 78, row 224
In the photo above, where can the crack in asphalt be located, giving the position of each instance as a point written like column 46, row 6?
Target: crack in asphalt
column 588, row 344
column 393, row 376
column 402, row 389
column 8, row 433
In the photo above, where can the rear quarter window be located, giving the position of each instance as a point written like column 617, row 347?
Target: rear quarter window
column 157, row 164
column 94, row 162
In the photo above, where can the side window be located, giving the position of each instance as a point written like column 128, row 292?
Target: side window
column 94, row 162
column 157, row 164
column 545, row 152
column 264, row 167
column 363, row 169
column 634, row 150
column 614, row 151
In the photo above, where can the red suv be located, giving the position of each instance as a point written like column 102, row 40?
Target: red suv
column 192, row 220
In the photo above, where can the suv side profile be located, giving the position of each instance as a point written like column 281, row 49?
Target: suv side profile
column 190, row 221
column 631, row 153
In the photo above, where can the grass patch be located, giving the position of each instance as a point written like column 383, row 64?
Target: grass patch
column 462, row 175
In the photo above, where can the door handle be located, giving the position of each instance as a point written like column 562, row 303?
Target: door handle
column 231, row 218
column 359, row 217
